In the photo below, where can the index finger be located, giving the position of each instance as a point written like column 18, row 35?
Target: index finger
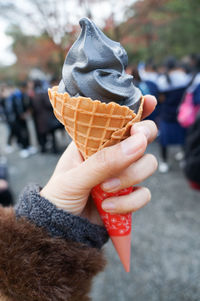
column 150, row 103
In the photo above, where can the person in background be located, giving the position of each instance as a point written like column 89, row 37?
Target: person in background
column 192, row 154
column 2, row 101
column 138, row 82
column 194, row 87
column 17, row 109
column 6, row 197
column 8, row 115
column 148, row 71
column 48, row 250
column 172, row 85
column 44, row 119
column 192, row 145
column 30, row 88
column 149, row 76
column 193, row 62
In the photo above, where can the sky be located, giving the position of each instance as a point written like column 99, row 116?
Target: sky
column 6, row 55
column 101, row 10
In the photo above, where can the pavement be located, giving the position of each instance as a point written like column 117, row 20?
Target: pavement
column 165, row 261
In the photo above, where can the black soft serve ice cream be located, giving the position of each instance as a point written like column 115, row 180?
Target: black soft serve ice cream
column 95, row 67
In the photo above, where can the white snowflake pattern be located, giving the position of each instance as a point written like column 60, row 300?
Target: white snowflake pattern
column 115, row 223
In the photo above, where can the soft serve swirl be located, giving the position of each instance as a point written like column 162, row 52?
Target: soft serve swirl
column 95, row 67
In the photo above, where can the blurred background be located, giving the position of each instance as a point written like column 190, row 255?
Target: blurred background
column 162, row 41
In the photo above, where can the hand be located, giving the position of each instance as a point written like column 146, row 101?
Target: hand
column 116, row 167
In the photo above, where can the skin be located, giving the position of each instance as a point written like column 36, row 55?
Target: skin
column 122, row 165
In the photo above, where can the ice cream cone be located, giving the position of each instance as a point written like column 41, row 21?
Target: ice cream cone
column 94, row 125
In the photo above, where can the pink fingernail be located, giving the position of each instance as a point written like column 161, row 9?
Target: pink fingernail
column 111, row 184
column 108, row 206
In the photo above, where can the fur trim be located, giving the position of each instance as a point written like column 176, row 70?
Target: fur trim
column 37, row 267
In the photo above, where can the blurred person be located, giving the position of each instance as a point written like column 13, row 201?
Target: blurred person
column 172, row 85
column 194, row 87
column 138, row 82
column 48, row 250
column 192, row 147
column 148, row 71
column 190, row 104
column 30, row 88
column 148, row 84
column 17, row 108
column 45, row 121
column 6, row 198
column 23, row 100
column 187, row 64
column 193, row 62
column 54, row 81
column 190, row 63
column 2, row 100
column 192, row 154
column 10, row 116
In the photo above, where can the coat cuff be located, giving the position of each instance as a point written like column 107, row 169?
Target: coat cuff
column 57, row 222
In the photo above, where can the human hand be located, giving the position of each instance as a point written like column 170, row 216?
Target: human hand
column 116, row 167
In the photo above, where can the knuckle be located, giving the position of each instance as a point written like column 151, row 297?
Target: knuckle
column 101, row 157
column 104, row 160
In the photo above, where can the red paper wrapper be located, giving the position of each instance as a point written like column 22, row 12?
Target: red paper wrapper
column 117, row 225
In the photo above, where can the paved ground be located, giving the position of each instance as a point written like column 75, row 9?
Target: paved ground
column 165, row 237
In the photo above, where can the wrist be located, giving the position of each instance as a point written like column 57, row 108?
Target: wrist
column 70, row 205
column 57, row 223
column 44, row 192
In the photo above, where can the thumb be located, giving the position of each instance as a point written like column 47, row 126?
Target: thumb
column 108, row 162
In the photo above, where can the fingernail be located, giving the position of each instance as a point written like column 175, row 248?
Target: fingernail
column 132, row 144
column 142, row 129
column 111, row 184
column 108, row 206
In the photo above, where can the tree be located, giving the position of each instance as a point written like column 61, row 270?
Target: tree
column 55, row 18
column 157, row 28
column 45, row 29
column 182, row 34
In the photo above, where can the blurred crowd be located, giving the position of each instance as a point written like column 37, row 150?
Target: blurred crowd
column 29, row 101
column 175, row 84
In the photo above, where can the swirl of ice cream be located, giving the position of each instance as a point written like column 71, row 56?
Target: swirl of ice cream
column 95, row 67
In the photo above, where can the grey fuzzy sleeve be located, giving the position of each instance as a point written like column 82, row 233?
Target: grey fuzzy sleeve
column 57, row 222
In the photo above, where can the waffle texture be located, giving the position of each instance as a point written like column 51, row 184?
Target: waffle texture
column 92, row 124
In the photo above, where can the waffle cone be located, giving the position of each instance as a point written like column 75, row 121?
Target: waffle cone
column 92, row 124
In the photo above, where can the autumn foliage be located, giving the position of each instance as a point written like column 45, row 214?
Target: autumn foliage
column 151, row 29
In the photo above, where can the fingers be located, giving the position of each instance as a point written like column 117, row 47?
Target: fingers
column 128, row 203
column 133, row 175
column 108, row 162
column 147, row 127
column 150, row 103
